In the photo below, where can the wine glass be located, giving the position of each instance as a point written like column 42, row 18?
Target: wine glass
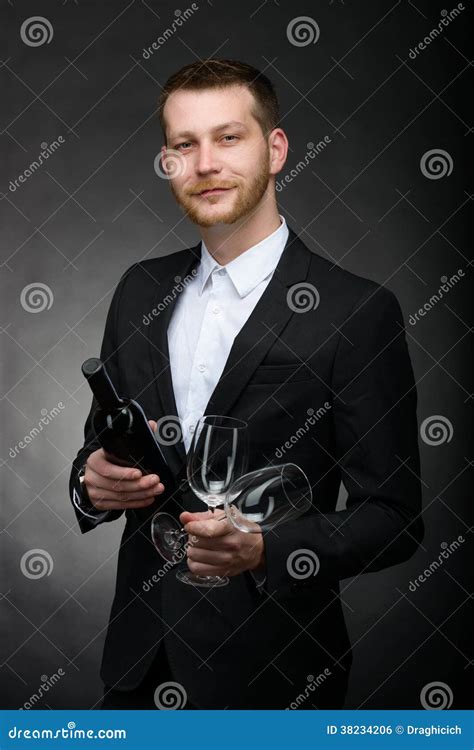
column 217, row 456
column 263, row 499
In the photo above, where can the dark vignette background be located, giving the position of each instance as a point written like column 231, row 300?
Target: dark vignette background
column 97, row 206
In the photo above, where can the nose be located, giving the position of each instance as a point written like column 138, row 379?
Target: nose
column 207, row 161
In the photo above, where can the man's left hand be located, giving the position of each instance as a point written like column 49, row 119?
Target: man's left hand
column 217, row 548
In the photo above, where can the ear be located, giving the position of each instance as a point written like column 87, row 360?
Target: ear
column 278, row 143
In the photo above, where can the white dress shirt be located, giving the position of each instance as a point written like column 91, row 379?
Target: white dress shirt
column 208, row 315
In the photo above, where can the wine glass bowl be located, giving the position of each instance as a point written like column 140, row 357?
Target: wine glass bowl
column 263, row 499
column 217, row 456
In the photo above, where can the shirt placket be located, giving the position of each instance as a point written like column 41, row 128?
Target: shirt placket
column 201, row 369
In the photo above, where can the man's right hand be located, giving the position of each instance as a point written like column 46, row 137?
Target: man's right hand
column 113, row 487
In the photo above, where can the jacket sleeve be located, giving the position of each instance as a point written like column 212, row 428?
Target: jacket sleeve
column 87, row 515
column 376, row 433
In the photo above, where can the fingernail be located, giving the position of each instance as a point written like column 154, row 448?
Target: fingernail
column 161, row 487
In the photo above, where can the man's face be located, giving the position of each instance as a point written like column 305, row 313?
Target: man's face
column 221, row 145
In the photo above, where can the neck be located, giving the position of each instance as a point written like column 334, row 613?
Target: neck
column 227, row 241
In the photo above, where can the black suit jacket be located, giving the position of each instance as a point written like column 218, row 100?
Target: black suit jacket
column 346, row 359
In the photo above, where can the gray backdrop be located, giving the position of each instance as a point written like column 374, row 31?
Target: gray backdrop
column 387, row 197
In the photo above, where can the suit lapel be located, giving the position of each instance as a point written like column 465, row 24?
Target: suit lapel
column 263, row 327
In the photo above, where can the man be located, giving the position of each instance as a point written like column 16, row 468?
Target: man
column 252, row 324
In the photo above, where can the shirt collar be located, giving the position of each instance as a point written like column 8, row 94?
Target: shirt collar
column 250, row 267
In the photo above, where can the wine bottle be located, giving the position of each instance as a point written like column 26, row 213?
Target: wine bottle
column 121, row 427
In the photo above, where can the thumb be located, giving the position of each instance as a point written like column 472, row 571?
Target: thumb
column 152, row 424
column 186, row 516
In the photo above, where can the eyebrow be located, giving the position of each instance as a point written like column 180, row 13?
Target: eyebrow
column 189, row 133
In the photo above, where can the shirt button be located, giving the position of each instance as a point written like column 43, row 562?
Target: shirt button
column 216, row 310
column 201, row 368
column 192, row 428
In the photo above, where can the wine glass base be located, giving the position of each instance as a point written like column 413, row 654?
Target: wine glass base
column 208, row 582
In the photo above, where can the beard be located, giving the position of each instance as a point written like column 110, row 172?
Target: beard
column 207, row 212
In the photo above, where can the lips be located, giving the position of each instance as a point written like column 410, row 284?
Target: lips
column 214, row 191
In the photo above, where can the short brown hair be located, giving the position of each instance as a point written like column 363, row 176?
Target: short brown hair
column 216, row 73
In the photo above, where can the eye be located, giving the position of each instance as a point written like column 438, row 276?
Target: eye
column 231, row 136
column 179, row 146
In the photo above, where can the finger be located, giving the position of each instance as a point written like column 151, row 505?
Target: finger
column 222, row 543
column 187, row 515
column 217, row 515
column 96, row 493
column 120, row 485
column 209, row 557
column 211, row 529
column 152, row 424
column 114, row 505
column 99, row 463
